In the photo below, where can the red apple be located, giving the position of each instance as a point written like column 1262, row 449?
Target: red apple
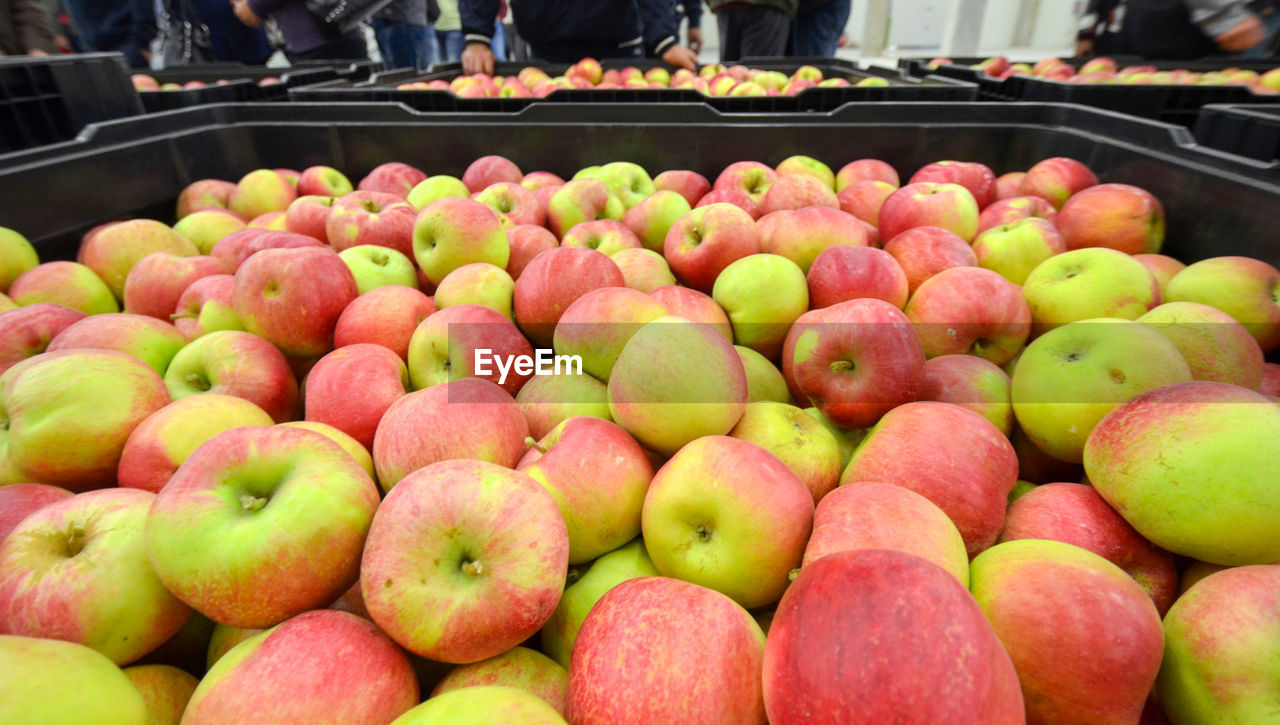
column 796, row 191
column 706, row 240
column 235, row 363
column 1118, row 216
column 204, row 194
column 864, row 199
column 970, row 382
column 603, row 235
column 731, row 196
column 949, row 206
column 866, row 170
column 144, row 338
column 1056, row 179
column 237, row 247
column 844, row 272
column 748, row 177
column 323, row 181
column 69, row 284
column 20, row 500
column 977, row 178
column 156, row 283
column 352, row 387
column 371, row 217
column 1008, row 210
column 27, row 331
column 293, row 297
column 527, row 241
column 114, row 250
column 206, row 306
column 970, row 310
column 392, row 177
column 803, row 234
column 689, row 184
column 488, row 170
column 308, row 215
column 552, row 281
column 1007, row 184
column 385, row 316
column 513, row 203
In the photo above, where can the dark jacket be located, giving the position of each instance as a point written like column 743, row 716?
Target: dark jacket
column 302, row 31
column 787, row 6
column 24, row 27
column 579, row 23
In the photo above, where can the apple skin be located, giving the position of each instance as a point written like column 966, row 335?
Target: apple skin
column 488, row 170
column 1244, row 288
column 206, row 306
column 77, row 570
column 485, row 705
column 19, row 256
column 626, row 181
column 552, row 281
column 1014, row 250
column 113, row 251
column 272, row 220
column 1215, row 346
column 203, row 194
column 801, row 235
column 970, row 310
column 763, row 294
column 855, row 361
column 598, row 325
column 643, row 269
column 1116, row 216
column 1162, row 267
column 706, row 240
column 764, row 379
column 444, row 346
column 807, row 165
column 259, row 192
column 293, row 297
column 375, row 266
column 949, row 206
column 392, row 177
column 1006, row 211
column 1007, row 184
column 603, row 235
column 1075, row 514
column 836, row 653
column 165, row 689
column 639, row 646
column 1088, row 283
column 1056, row 179
column 436, row 188
column 237, row 247
column 796, row 439
column 385, row 316
column 844, row 273
column 526, row 242
column 796, row 191
column 267, row 562
column 970, row 382
column 1084, row 637
column 535, row 180
column 748, row 177
column 19, row 500
column 866, row 170
column 27, row 331
column 308, row 215
column 323, row 181
column 513, row 204
column 518, row 667
column 478, row 283
column 501, row 551
column 674, row 381
column 864, row 199
column 1270, row 384
column 468, row 418
column 157, row 281
column 1219, row 663
column 239, row 364
column 547, row 400
column 694, row 305
column 371, row 217
column 978, row 178
column 452, row 232
column 581, row 200
column 286, row 675
column 731, row 196
column 69, row 284
column 651, row 219
column 922, row 252
column 145, row 338
column 952, row 456
column 1213, row 433
column 63, row 682
column 689, row 184
column 352, row 387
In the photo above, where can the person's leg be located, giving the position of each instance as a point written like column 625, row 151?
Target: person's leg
column 398, row 48
column 728, row 35
column 425, row 47
column 451, row 45
column 499, row 43
column 142, row 30
column 817, row 33
column 763, row 32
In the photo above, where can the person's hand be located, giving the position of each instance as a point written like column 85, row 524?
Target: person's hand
column 694, row 40
column 477, row 58
column 245, row 14
column 1243, row 36
column 1084, row 46
column 37, row 53
column 681, row 57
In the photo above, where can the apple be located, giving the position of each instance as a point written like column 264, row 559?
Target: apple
column 922, row 252
column 353, row 386
column 604, row 235
column 535, row 180
column 206, row 306
column 113, row 251
column 970, row 382
column 235, row 363
column 469, row 340
column 837, row 652
column 293, row 297
column 643, row 269
column 518, row 667
column 156, row 283
column 289, row 175
column 689, row 184
column 764, row 380
column 796, row 439
column 626, row 181
column 207, row 227
column 62, row 682
column 731, row 196
column 552, row 281
column 970, row 310
column 77, row 570
column 385, row 316
column 796, row 191
column 695, row 306
column 323, row 181
column 582, row 200
column 763, row 294
column 19, row 500
column 69, row 284
column 1056, row 179
column 864, row 199
column 371, row 217
column 1008, row 210
column 1084, row 637
column 801, row 235
column 1014, row 250
column 204, row 194
column 1247, row 289
column 866, row 170
column 234, row 249
column 978, row 178
column 1088, row 283
column 647, row 639
column 392, row 177
column 452, row 232
column 259, row 192
column 843, row 272
column 1070, row 377
column 547, row 400
column 478, row 283
column 489, row 170
column 435, row 189
column 706, row 240
column 526, row 242
column 144, row 338
column 597, row 326
column 1162, row 267
column 1270, row 380
column 651, row 219
column 513, row 203
column 807, row 165
column 17, row 255
column 165, row 689
column 484, row 705
column 27, row 331
column 949, row 206
column 749, row 177
column 1215, row 346
column 374, row 266
column 1116, row 216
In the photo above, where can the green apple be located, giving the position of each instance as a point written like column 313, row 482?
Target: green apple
column 583, row 199
column 643, row 269
column 486, row 705
column 259, row 192
column 7, row 304
column 518, row 667
column 629, row 182
column 16, row 256
column 452, row 232
column 799, row 441
column 436, row 188
column 375, row 266
column 764, row 380
column 165, row 689
column 1015, row 249
column 50, row 682
column 801, row 164
column 651, row 218
column 1086, row 283
column 763, row 294
column 64, row 283
column 598, row 325
column 153, row 342
column 477, row 284
column 847, row 439
column 207, row 227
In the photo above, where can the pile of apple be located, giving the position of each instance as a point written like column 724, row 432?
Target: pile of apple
column 1106, row 70
column 793, row 446
column 144, row 82
column 710, row 80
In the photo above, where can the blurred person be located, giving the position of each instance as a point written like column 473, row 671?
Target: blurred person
column 1179, row 29
column 449, row 38
column 124, row 26
column 565, row 31
column 305, row 37
column 232, row 40
column 404, row 33
column 818, row 27
column 753, row 27
column 691, row 10
column 25, row 29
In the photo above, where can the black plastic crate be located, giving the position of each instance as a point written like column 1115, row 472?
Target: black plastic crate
column 49, row 99
column 225, row 92
column 287, row 77
column 360, row 70
column 1252, row 131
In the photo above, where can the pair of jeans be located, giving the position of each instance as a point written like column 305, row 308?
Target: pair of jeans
column 816, row 33
column 451, row 43
column 343, row 48
column 403, row 45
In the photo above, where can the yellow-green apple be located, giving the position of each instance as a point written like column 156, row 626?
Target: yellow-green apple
column 796, row 439
column 374, row 266
column 488, row 170
column 113, row 251
column 526, row 242
column 651, row 219
column 352, row 387
column 922, row 252
column 1270, row 384
column 1138, row 455
column 207, row 227
column 237, row 247
column 1056, row 179
column 7, row 304
column 452, row 232
column 145, row 338
column 1162, row 267
column 634, row 656
column 865, row 170
column 795, row 85
column 272, row 220
column 468, row 418
column 1247, row 289
column 77, row 570
column 535, row 180
column 603, row 235
column 837, row 652
column 1219, row 648
column 728, row 515
column 1094, row 65
column 236, row 363
column 1084, row 637
column 292, row 297
column 865, row 198
column 598, row 325
column 166, row 438
column 483, row 705
column 20, row 500
column 970, row 382
column 470, row 340
column 843, row 273
column 204, row 194
column 259, row 192
column 1088, row 283
column 1116, row 216
column 764, row 380
column 731, row 196
column 1215, row 346
column 748, row 177
column 518, row 667
column 260, row 524
column 1007, row 184
column 547, row 400
column 51, row 681
column 478, row 283
column 796, row 191
column 156, row 283
column 601, row 505
column 1006, row 211
column 627, row 181
column 165, row 689
column 674, row 381
column 694, row 305
column 763, row 294
column 949, row 206
column 289, row 175
column 970, row 310
column 286, row 675
column 689, row 184
column 643, row 269
column 385, row 316
column 435, row 189
column 581, row 200
column 69, row 413
column 802, row 234
column 500, row 548
column 874, row 515
column 224, row 639
column 801, row 164
column 206, row 307
column 978, row 178
column 1069, row 378
column 392, row 177
column 352, row 447
column 323, row 181
column 706, row 240
column 371, row 217
column 513, row 203
column 950, row 455
column 855, row 360
column 585, row 585
column 27, row 331
column 1013, row 250
column 69, row 284
column 552, row 281
column 1075, row 514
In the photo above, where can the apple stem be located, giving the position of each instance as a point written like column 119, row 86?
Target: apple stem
column 75, row 539
column 182, row 316
column 791, row 575
column 252, row 503
column 474, row 568
column 529, row 441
